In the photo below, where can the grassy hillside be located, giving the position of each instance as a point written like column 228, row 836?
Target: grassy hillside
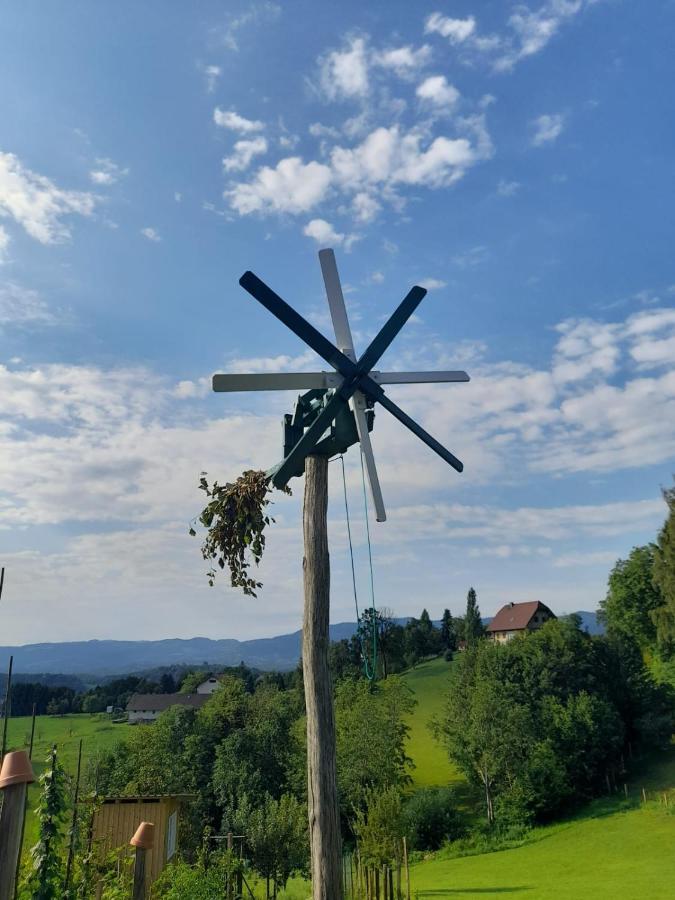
column 606, row 853
column 428, row 682
column 612, row 848
column 96, row 731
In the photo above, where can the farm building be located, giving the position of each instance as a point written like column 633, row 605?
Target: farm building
column 117, row 818
column 210, row 685
column 147, row 707
column 518, row 618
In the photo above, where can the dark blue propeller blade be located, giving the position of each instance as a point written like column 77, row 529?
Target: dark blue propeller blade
column 423, row 435
column 390, row 329
column 298, row 325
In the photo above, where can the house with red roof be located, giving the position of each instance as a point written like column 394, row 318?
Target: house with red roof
column 518, row 618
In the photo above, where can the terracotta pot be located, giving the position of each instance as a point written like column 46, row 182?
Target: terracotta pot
column 144, row 837
column 16, row 769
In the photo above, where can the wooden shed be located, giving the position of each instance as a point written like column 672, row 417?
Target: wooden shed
column 117, row 819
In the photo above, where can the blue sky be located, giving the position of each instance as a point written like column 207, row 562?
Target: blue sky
column 517, row 160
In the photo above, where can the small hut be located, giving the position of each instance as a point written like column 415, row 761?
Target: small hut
column 117, row 819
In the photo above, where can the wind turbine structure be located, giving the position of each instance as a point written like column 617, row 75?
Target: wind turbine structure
column 338, row 409
column 336, row 412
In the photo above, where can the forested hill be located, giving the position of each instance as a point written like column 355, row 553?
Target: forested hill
column 279, row 653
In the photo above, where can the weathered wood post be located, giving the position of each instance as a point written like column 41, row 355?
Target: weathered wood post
column 407, row 869
column 143, row 840
column 15, row 776
column 324, row 817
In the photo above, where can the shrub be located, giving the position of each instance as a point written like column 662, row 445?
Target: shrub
column 449, row 655
column 430, row 818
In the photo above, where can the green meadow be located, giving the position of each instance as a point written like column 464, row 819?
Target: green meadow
column 97, row 733
column 613, row 848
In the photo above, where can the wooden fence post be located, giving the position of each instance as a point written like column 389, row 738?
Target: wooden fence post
column 407, row 869
column 15, row 776
column 143, row 840
column 644, row 796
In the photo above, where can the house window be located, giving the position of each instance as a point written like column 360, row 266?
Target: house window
column 171, row 830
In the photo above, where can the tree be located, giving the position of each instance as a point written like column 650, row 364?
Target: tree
column 542, row 722
column 45, row 880
column 664, row 578
column 371, row 731
column 275, row 837
column 473, row 625
column 378, row 827
column 448, row 632
column 632, row 597
column 167, row 683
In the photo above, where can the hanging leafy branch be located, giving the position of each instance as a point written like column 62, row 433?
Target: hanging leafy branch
column 235, row 519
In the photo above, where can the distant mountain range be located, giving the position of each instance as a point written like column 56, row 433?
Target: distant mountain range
column 100, row 658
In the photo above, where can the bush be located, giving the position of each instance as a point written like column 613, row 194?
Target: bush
column 430, row 819
column 449, row 655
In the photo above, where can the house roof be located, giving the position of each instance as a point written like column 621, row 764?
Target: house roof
column 517, row 616
column 160, row 702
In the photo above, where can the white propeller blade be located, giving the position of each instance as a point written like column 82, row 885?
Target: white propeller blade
column 304, row 381
column 343, row 335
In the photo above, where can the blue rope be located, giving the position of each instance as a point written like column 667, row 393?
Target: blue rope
column 373, row 611
column 369, row 672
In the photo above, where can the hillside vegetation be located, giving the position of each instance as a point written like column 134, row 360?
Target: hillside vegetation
column 612, row 848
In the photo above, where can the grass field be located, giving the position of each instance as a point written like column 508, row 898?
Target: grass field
column 428, row 682
column 96, row 731
column 606, row 854
column 610, row 849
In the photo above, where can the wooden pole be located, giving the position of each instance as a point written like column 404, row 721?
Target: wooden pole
column 139, row 874
column 73, row 824
column 25, row 806
column 15, row 776
column 407, row 869
column 323, row 809
column 6, row 711
column 11, row 822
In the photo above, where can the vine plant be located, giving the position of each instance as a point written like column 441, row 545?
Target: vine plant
column 235, row 519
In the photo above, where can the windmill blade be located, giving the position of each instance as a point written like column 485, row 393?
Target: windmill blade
column 276, row 381
column 343, row 335
column 391, row 328
column 418, row 377
column 358, row 402
column 298, row 325
column 423, row 435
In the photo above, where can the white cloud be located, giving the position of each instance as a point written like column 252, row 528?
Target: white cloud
column 22, row 306
column 244, row 151
column 151, row 234
column 234, row 122
column 507, row 188
column 455, row 30
column 438, row 92
column 344, row 73
column 365, row 207
column 212, row 74
column 384, row 161
column 389, row 156
column 547, row 128
column 322, row 232
column 255, row 13
column 4, row 244
column 304, row 362
column 533, row 29
column 527, row 32
column 432, row 284
column 291, row 187
column 405, row 60
column 107, row 172
column 36, row 203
